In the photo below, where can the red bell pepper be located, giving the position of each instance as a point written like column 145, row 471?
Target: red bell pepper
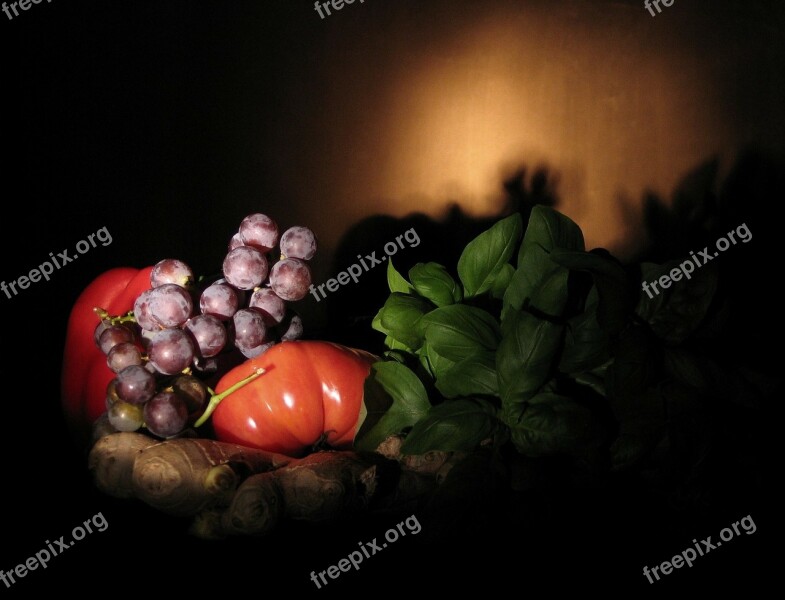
column 85, row 374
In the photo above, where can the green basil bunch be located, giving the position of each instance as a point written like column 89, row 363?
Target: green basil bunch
column 537, row 342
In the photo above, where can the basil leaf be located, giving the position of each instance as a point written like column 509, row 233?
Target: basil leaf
column 586, row 343
column 549, row 229
column 399, row 318
column 551, row 424
column 596, row 379
column 432, row 281
column 459, row 331
column 394, row 344
column 395, row 354
column 525, row 357
column 617, row 294
column 473, row 375
column 485, row 256
column 675, row 312
column 457, row 425
column 433, row 362
column 538, row 280
column 394, row 399
column 395, row 280
column 502, row 281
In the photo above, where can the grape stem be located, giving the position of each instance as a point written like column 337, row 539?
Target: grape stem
column 215, row 400
column 105, row 316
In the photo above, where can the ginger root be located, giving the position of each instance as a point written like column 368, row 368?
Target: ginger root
column 233, row 490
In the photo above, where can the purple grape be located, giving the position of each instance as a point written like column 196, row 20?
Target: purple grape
column 170, row 305
column 207, row 366
column 170, row 351
column 135, row 384
column 116, row 334
column 242, row 295
column 249, row 328
column 124, row 416
column 171, row 270
column 194, row 392
column 245, row 267
column 209, row 333
column 123, row 355
column 223, row 363
column 257, row 351
column 298, row 242
column 99, row 329
column 166, row 414
column 145, row 336
column 235, row 242
column 259, row 231
column 290, row 278
column 219, row 300
column 111, row 394
column 142, row 314
column 270, row 304
column 295, row 329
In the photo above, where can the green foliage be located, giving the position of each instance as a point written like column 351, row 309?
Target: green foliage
column 433, row 282
column 484, row 258
column 458, row 425
column 394, row 400
column 542, row 344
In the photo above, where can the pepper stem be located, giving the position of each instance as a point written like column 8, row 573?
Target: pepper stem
column 215, row 400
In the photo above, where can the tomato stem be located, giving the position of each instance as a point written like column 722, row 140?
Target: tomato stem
column 215, row 400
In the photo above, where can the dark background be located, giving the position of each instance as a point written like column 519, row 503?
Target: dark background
column 167, row 122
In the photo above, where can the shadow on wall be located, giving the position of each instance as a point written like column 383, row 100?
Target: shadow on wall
column 351, row 308
column 702, row 211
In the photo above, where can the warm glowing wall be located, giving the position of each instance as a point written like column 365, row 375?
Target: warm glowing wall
column 422, row 103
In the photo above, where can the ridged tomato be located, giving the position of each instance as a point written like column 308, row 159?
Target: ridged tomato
column 310, row 391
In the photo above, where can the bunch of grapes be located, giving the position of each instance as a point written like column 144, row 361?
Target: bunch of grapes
column 179, row 329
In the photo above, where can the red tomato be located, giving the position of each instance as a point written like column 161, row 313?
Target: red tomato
column 85, row 374
column 310, row 391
